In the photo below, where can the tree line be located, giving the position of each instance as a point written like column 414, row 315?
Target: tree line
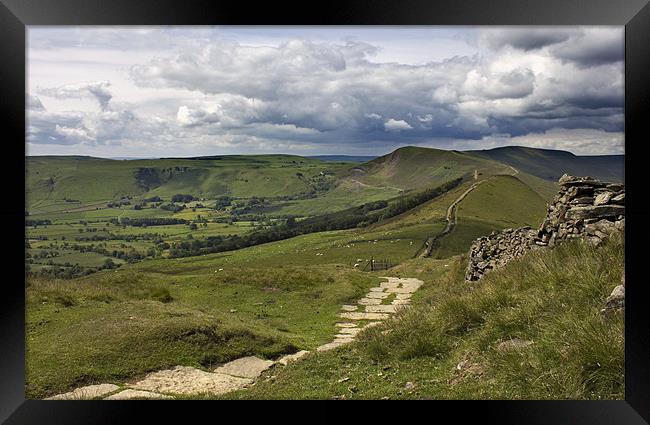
column 147, row 221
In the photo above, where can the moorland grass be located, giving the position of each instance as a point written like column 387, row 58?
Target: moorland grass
column 550, row 297
column 113, row 326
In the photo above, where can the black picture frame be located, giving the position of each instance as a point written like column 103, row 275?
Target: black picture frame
column 15, row 15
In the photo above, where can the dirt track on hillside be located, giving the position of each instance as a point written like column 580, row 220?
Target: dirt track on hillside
column 451, row 220
column 452, row 217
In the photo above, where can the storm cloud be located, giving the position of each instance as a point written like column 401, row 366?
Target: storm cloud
column 325, row 96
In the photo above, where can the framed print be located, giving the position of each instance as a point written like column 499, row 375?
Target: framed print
column 381, row 201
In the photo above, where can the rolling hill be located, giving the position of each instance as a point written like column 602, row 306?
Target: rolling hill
column 413, row 167
column 551, row 164
column 97, row 179
column 299, row 186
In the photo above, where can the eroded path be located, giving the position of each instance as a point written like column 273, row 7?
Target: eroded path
column 378, row 304
column 451, row 218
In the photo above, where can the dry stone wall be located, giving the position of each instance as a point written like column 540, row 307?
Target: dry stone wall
column 584, row 207
column 497, row 249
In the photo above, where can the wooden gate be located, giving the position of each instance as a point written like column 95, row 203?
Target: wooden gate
column 374, row 265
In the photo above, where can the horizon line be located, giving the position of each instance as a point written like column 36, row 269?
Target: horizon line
column 135, row 158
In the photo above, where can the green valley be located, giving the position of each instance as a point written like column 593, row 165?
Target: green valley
column 122, row 280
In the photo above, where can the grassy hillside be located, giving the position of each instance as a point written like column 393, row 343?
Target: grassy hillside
column 545, row 188
column 505, row 201
column 447, row 345
column 53, row 180
column 552, row 164
column 499, row 202
column 123, row 324
column 94, row 179
column 76, row 198
column 413, row 167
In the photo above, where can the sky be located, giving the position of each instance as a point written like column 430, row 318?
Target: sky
column 190, row 91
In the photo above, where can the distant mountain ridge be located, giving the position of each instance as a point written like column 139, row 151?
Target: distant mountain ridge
column 406, row 165
column 340, row 181
column 551, row 164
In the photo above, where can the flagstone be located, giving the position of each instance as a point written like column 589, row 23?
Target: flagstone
column 245, row 367
column 188, row 380
column 369, row 301
column 86, row 393
column 380, row 309
column 364, row 316
column 292, row 357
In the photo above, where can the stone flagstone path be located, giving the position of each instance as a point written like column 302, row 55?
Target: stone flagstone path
column 377, row 305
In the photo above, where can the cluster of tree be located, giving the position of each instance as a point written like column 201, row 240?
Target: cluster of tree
column 130, row 256
column 252, row 206
column 353, row 217
column 179, row 197
column 147, row 221
column 112, row 236
column 141, row 237
column 69, row 271
column 59, row 272
column 89, row 230
column 222, row 202
column 411, row 201
column 33, row 222
column 43, row 254
column 172, row 207
column 117, row 204
column 249, row 217
column 321, row 182
column 227, row 220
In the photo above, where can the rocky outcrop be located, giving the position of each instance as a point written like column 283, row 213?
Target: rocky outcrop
column 584, row 207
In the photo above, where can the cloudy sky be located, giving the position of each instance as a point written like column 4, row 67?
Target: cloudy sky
column 186, row 91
